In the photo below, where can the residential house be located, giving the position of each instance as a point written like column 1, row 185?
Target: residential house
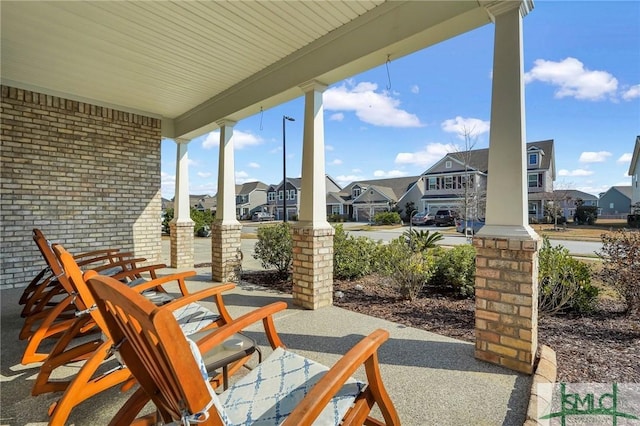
column 281, row 195
column 567, row 199
column 202, row 202
column 250, row 197
column 361, row 200
column 459, row 180
column 616, row 201
column 634, row 172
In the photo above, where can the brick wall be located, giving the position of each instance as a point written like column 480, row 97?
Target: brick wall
column 87, row 176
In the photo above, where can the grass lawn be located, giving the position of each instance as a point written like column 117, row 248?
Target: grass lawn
column 580, row 232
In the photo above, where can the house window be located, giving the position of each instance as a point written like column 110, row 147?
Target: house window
column 356, row 192
column 433, row 183
column 448, row 182
column 533, row 209
column 271, row 196
column 533, row 159
column 447, row 164
column 610, row 205
column 335, row 209
column 535, row 180
column 292, row 194
column 280, row 195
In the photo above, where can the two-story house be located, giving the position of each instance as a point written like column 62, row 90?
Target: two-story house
column 459, row 181
column 361, row 200
column 616, row 201
column 250, row 197
column 634, row 172
column 288, row 194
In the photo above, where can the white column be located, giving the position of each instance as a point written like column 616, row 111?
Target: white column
column 506, row 212
column 226, row 198
column 181, row 207
column 313, row 203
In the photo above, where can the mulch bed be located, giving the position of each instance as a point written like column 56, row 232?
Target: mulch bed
column 601, row 347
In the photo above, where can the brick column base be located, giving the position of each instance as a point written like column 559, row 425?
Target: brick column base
column 312, row 267
column 507, row 301
column 225, row 241
column 181, row 244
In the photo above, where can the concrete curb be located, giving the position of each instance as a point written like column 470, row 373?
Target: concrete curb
column 546, row 373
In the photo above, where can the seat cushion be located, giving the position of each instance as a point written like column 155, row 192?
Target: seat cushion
column 270, row 392
column 193, row 317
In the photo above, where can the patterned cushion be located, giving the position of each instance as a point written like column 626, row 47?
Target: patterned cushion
column 193, row 317
column 269, row 393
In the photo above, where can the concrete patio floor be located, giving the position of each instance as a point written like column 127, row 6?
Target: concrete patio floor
column 432, row 379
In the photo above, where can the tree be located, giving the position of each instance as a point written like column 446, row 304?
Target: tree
column 473, row 198
column 553, row 211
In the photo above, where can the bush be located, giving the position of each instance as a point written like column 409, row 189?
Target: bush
column 564, row 283
column 273, row 248
column 386, row 218
column 353, row 257
column 409, row 271
column 456, row 268
column 335, row 218
column 586, row 215
column 621, row 269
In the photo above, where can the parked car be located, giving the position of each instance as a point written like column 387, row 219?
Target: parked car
column 473, row 225
column 445, row 218
column 261, row 217
column 423, row 218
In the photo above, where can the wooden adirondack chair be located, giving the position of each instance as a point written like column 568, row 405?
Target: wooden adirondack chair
column 54, row 310
column 45, row 287
column 153, row 347
column 93, row 377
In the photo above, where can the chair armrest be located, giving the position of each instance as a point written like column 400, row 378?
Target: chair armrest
column 364, row 353
column 132, row 271
column 95, row 253
column 219, row 335
column 178, row 276
column 108, row 258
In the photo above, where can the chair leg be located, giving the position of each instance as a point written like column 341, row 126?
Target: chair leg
column 84, row 385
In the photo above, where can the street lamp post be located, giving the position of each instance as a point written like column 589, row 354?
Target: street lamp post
column 284, row 165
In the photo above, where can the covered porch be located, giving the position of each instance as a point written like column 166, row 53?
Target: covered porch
column 89, row 89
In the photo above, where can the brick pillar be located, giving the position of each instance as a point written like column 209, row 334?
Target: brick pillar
column 507, row 301
column 312, row 267
column 181, row 244
column 225, row 240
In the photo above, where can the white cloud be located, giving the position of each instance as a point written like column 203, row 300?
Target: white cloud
column 167, row 185
column 204, row 174
column 594, row 157
column 254, row 165
column 328, row 147
column 242, row 177
column 576, row 172
column 378, row 109
column 338, row 116
column 344, row 180
column 426, row 157
column 356, row 170
column 415, row 89
column 336, row 162
column 625, row 158
column 573, row 79
column 631, row 93
column 465, row 127
column 389, row 174
column 240, row 140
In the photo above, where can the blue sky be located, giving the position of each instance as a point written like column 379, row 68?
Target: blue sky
column 582, row 65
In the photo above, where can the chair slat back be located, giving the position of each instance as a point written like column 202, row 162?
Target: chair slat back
column 154, row 349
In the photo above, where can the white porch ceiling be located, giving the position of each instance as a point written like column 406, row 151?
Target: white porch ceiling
column 192, row 63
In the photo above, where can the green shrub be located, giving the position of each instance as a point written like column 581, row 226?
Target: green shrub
column 564, row 283
column 621, row 268
column 335, row 218
column 386, row 218
column 409, row 271
column 201, row 221
column 353, row 257
column 420, row 240
column 586, row 215
column 456, row 269
column 273, row 248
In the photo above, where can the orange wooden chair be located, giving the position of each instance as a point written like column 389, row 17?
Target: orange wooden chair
column 94, row 375
column 284, row 389
column 45, row 291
